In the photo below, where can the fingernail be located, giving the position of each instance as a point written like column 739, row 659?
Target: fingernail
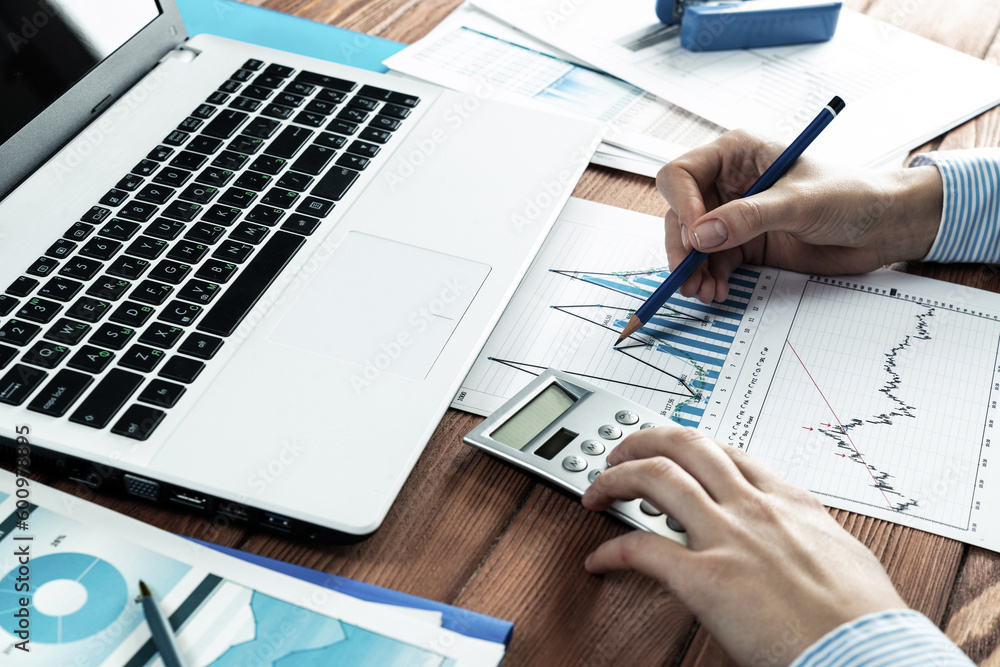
column 710, row 234
column 684, row 237
column 587, row 560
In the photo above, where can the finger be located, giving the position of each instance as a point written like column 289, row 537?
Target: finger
column 701, row 456
column 652, row 555
column 755, row 472
column 736, row 222
column 677, row 250
column 662, row 482
column 680, row 182
column 721, row 265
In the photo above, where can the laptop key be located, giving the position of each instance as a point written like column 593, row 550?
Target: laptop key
column 39, row 310
column 161, row 335
column 222, row 215
column 129, row 268
column 178, row 312
column 395, row 111
column 321, row 107
column 352, row 161
column 380, row 94
column 325, row 81
column 45, row 354
column 155, row 194
column 188, row 252
column 182, row 210
column 100, row 248
column 269, row 81
column 176, row 138
column 269, row 164
column 114, row 197
column 342, row 127
column 162, row 393
column 309, row 118
column 245, row 144
column 120, row 230
column 107, row 398
column 204, row 111
column 172, row 176
column 203, row 232
column 206, row 145
column 7, row 305
column 137, row 211
column 109, row 288
column 198, row 291
column 313, row 160
column 265, row 215
column 60, row 289
column 243, row 75
column 81, row 268
column 218, row 97
column 215, row 176
column 138, row 422
column 18, row 383
column 91, row 359
column 237, row 197
column 146, row 247
column 145, row 167
column 253, row 180
column 61, row 249
column 7, row 355
column 301, row 224
column 331, row 96
column 78, row 232
column 335, row 184
column 230, row 160
column 253, row 64
column 256, row 92
column 201, row 346
column 225, row 124
column 188, row 160
column 112, row 336
column 353, row 115
column 96, row 215
column 277, row 111
column 182, row 369
column 363, row 103
column 61, row 393
column 230, row 86
column 262, row 128
column 374, row 135
column 363, row 148
column 315, row 206
column 404, row 100
column 22, row 286
column 141, row 358
column 245, row 104
column 280, row 198
column 385, row 123
column 282, row 71
column 160, row 153
column 295, row 181
column 88, row 309
column 288, row 143
column 43, row 266
column 289, row 99
column 248, row 233
column 131, row 314
column 244, row 292
column 170, row 272
column 231, row 251
column 18, row 333
column 300, row 88
column 215, row 271
column 190, row 124
column 67, row 331
column 151, row 292
column 199, row 194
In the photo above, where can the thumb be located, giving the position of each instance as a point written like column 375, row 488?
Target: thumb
column 739, row 221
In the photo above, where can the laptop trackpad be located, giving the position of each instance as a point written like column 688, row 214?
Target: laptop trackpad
column 382, row 303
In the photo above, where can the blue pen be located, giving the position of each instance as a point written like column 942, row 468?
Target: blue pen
column 766, row 180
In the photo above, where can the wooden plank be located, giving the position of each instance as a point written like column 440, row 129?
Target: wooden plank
column 563, row 615
column 445, row 521
column 965, row 25
column 974, row 612
column 399, row 20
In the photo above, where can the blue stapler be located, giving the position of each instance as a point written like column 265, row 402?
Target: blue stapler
column 713, row 25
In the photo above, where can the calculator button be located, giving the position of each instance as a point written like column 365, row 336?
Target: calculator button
column 574, row 464
column 592, row 447
column 647, row 508
column 609, row 432
column 675, row 525
column 648, row 425
column 626, row 417
column 594, row 474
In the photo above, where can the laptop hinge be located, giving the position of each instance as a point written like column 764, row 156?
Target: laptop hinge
column 184, row 54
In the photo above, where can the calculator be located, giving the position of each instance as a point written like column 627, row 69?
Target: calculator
column 562, row 429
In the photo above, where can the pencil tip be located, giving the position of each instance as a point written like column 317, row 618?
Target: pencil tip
column 144, row 589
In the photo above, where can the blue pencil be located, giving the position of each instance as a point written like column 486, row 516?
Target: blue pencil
column 766, row 180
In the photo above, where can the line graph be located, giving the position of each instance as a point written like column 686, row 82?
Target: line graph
column 881, row 399
column 568, row 314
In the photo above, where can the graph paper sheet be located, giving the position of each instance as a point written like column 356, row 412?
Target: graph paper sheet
column 877, row 392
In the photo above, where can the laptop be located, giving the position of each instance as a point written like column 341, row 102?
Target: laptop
column 244, row 281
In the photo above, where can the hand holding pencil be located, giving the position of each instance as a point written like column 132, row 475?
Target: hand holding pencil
column 819, row 218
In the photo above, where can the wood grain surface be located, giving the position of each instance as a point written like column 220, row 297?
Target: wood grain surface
column 471, row 531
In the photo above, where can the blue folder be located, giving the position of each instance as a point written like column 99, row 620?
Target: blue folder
column 247, row 23
column 462, row 621
column 257, row 25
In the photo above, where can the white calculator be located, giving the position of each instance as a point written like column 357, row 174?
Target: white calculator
column 563, row 429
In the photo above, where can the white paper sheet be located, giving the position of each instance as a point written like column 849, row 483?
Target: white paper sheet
column 80, row 566
column 472, row 52
column 876, row 392
column 901, row 90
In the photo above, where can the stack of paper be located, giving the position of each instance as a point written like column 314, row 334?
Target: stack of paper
column 614, row 62
column 69, row 577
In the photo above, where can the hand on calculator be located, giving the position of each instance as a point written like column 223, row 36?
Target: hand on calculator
column 765, row 561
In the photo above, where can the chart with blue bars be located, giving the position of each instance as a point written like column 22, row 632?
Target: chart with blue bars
column 674, row 362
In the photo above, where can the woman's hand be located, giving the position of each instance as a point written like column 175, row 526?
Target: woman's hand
column 767, row 569
column 817, row 218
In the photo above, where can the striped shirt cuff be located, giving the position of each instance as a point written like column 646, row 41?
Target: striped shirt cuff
column 970, row 217
column 898, row 637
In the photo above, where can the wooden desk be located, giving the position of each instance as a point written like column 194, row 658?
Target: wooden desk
column 473, row 532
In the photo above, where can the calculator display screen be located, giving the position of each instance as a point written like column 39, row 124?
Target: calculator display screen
column 534, row 417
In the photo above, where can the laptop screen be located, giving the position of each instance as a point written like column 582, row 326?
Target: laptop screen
column 46, row 46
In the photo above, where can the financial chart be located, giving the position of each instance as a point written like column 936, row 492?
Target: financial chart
column 877, row 393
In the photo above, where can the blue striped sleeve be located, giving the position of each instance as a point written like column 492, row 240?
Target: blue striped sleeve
column 970, row 216
column 896, row 638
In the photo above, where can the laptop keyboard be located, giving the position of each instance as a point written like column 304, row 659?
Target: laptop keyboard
column 122, row 314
